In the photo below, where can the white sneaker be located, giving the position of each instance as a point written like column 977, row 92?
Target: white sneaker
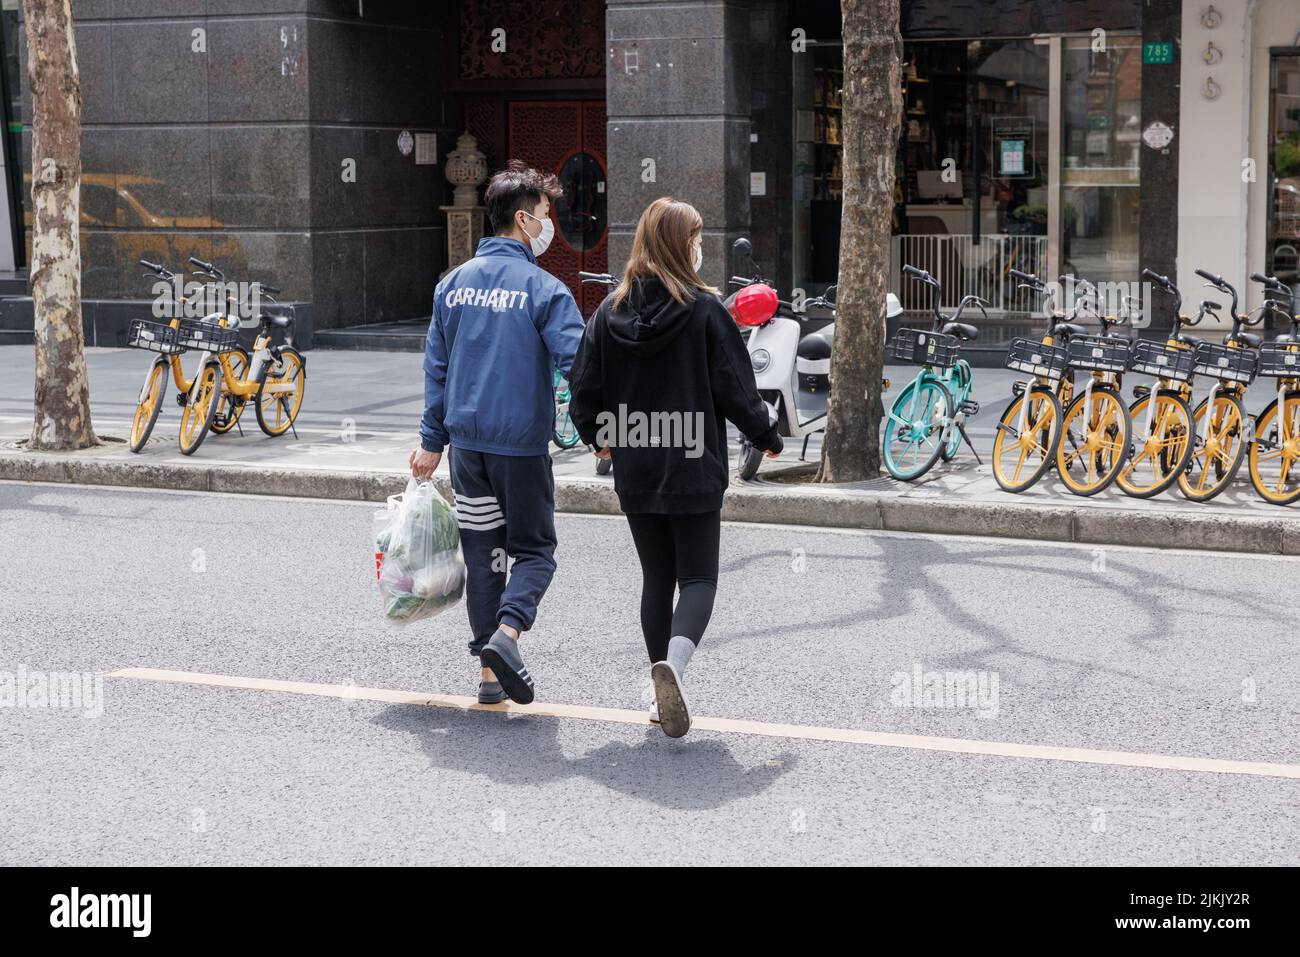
column 675, row 715
column 654, row 712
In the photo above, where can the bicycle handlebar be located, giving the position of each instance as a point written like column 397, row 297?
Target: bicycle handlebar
column 1164, row 283
column 207, row 267
column 1278, row 288
column 921, row 276
column 157, row 269
column 600, row 277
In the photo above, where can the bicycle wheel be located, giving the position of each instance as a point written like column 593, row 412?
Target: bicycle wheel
column 1021, row 458
column 230, row 408
column 201, row 407
column 913, row 439
column 279, row 397
column 150, row 404
column 1274, row 451
column 1091, row 454
column 1218, row 451
column 1160, row 457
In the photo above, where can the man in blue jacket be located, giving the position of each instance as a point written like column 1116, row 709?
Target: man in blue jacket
column 501, row 324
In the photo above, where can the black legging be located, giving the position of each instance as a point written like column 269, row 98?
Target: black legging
column 676, row 551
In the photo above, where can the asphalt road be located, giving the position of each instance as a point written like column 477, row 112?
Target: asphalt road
column 1122, row 649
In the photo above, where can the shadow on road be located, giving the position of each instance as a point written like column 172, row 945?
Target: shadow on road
column 694, row 774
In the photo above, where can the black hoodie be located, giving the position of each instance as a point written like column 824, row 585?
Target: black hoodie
column 655, row 380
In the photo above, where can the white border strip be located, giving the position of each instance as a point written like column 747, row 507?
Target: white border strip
column 883, row 739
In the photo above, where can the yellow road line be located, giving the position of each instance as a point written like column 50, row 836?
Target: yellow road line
column 883, row 739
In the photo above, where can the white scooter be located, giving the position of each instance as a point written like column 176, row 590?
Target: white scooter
column 791, row 369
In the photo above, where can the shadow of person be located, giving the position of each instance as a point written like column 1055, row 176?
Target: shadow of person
column 694, row 774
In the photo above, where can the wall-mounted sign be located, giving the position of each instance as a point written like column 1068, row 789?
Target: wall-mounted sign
column 1160, row 53
column 426, row 149
column 757, row 184
column 1013, row 144
column 1158, row 135
column 405, row 141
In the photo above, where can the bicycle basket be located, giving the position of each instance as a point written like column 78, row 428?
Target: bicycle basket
column 1036, row 358
column 1232, row 365
column 208, row 336
column 154, row 336
column 1099, row 353
column 1279, row 360
column 1161, row 360
column 923, row 348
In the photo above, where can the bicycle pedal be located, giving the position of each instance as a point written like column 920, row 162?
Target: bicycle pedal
column 970, row 407
column 180, row 399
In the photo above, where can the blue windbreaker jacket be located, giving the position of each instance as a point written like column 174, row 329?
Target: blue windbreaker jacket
column 501, row 326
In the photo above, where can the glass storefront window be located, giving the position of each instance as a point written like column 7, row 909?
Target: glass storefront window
column 973, row 166
column 1101, row 103
column 1283, row 244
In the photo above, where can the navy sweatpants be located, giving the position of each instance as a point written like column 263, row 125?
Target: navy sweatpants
column 505, row 507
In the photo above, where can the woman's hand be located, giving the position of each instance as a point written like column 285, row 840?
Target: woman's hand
column 601, row 453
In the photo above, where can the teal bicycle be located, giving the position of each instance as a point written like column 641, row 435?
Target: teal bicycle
column 928, row 419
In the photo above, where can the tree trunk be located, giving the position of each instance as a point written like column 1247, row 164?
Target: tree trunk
column 872, row 112
column 62, row 401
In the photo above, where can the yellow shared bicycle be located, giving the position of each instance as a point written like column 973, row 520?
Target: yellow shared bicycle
column 1220, row 424
column 170, row 340
column 273, row 377
column 1275, row 447
column 1095, row 426
column 1164, row 431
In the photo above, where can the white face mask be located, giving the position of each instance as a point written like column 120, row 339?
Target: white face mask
column 542, row 241
column 699, row 256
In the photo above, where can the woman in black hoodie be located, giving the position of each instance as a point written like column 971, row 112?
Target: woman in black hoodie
column 659, row 371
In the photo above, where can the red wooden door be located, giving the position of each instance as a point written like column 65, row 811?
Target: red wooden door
column 568, row 138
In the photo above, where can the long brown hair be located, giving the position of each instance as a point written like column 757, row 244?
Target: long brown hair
column 661, row 250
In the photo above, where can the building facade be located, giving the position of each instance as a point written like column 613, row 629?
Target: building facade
column 304, row 142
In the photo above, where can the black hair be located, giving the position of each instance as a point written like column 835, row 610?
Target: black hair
column 517, row 187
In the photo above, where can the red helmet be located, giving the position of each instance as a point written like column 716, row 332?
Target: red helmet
column 753, row 305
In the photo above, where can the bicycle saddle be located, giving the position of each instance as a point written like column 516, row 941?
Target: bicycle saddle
column 1247, row 338
column 1069, row 329
column 960, row 329
column 280, row 322
column 1285, row 337
column 1189, row 340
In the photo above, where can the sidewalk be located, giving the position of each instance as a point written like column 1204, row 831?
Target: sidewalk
column 359, row 426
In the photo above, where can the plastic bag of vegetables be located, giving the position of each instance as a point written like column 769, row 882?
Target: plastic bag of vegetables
column 417, row 554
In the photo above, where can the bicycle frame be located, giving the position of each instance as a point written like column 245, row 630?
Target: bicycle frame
column 959, row 390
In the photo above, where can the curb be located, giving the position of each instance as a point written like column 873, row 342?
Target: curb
column 817, row 507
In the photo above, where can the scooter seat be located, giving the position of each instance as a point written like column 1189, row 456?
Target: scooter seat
column 960, row 329
column 815, row 345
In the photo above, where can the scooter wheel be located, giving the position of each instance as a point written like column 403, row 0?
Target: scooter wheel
column 750, row 459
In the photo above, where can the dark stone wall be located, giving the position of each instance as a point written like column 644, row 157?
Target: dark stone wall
column 678, row 94
column 1158, row 239
column 234, row 153
column 772, row 138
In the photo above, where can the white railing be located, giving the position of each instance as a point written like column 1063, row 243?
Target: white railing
column 965, row 267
